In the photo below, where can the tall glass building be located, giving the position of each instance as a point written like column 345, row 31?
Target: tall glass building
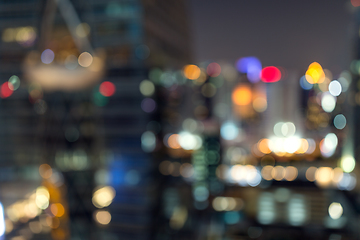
column 76, row 127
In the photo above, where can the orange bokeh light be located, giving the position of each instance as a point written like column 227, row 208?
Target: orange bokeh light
column 192, row 72
column 242, row 95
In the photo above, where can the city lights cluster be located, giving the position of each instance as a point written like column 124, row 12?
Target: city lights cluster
column 227, row 204
column 249, row 175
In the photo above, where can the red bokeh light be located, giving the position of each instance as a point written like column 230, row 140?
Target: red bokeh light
column 355, row 3
column 270, row 74
column 213, row 69
column 107, row 89
column 5, row 90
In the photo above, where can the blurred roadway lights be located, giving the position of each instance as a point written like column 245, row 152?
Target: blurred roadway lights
column 147, row 88
column 229, row 131
column 2, row 221
column 335, row 88
column 189, row 141
column 191, row 72
column 103, row 197
column 251, row 66
column 285, row 145
column 297, row 210
column 347, row 164
column 148, row 141
column 328, row 102
column 14, row 82
column 227, row 204
column 305, row 84
column 335, row 210
column 340, row 121
column 102, row 217
column 266, row 208
column 245, row 175
column 315, row 73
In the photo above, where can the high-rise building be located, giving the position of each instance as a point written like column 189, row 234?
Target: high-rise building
column 90, row 135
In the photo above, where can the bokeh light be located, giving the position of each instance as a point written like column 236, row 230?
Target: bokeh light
column 315, row 73
column 6, row 90
column 270, row 74
column 85, row 59
column 191, row 72
column 335, row 210
column 340, row 121
column 147, row 88
column 335, row 88
column 251, row 66
column 47, row 56
column 242, row 95
column 229, row 131
column 107, row 89
column 213, row 69
column 347, row 163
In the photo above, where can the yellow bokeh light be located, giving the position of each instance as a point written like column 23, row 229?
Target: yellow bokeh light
column 242, row 95
column 103, row 197
column 192, row 72
column 315, row 73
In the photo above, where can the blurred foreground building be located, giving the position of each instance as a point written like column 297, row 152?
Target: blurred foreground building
column 91, row 137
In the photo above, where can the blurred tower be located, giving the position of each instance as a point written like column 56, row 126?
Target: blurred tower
column 92, row 139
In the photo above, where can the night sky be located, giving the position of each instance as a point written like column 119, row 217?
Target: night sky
column 285, row 33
